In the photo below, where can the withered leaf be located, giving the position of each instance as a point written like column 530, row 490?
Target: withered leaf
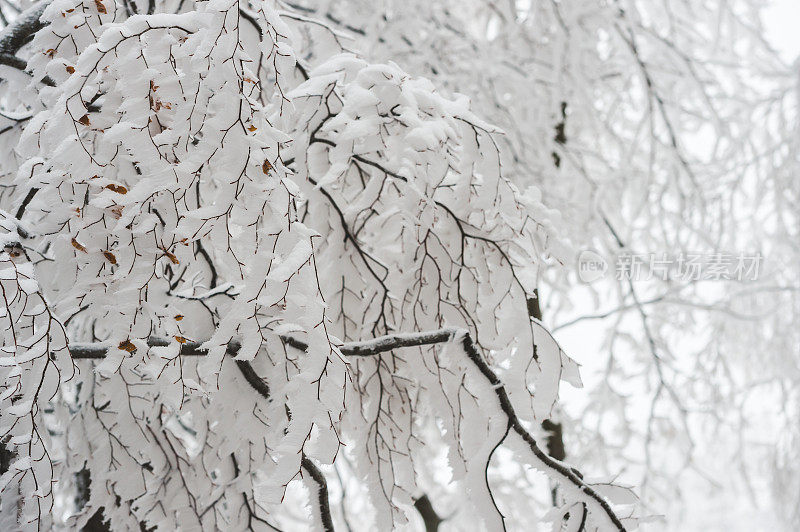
column 100, row 7
column 266, row 167
column 181, row 339
column 77, row 245
column 84, row 120
column 110, row 257
column 119, row 189
column 128, row 346
column 171, row 257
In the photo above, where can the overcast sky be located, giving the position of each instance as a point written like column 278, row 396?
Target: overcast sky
column 782, row 24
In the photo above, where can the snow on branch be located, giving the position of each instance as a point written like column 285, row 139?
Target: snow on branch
column 375, row 346
column 563, row 473
column 188, row 179
column 21, row 29
column 18, row 33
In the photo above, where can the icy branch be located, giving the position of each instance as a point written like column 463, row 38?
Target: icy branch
column 430, row 518
column 382, row 344
column 322, row 493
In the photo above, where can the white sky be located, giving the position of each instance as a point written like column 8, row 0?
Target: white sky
column 782, row 26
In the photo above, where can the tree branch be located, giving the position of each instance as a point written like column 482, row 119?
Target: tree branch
column 98, row 351
column 322, row 493
column 380, row 345
column 18, row 33
column 567, row 473
column 429, row 515
column 20, row 64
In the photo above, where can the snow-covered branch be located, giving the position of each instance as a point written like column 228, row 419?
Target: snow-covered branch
column 18, row 33
column 232, row 208
column 382, row 344
column 23, row 28
column 561, row 472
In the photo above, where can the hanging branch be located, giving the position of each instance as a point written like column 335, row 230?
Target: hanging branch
column 515, row 424
column 377, row 346
column 322, row 493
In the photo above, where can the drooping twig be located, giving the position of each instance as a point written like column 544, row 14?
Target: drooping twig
column 98, row 351
column 322, row 493
column 380, row 345
column 567, row 474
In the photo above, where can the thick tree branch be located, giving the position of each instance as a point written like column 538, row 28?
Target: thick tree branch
column 381, row 344
column 19, row 33
column 97, row 351
column 20, row 64
column 22, row 29
column 429, row 516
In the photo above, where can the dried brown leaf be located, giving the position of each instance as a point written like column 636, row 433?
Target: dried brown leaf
column 77, row 245
column 128, row 346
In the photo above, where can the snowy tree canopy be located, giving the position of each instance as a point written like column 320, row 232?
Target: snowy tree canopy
column 277, row 266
